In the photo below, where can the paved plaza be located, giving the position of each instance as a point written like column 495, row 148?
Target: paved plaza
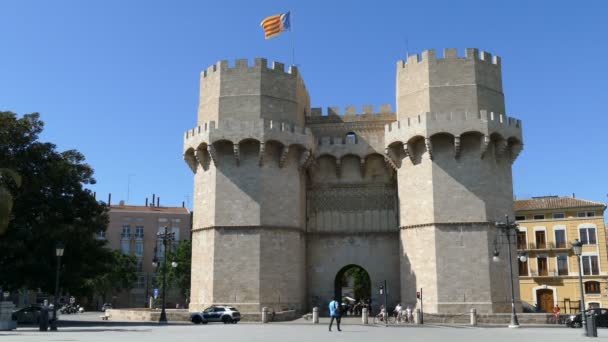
column 294, row 332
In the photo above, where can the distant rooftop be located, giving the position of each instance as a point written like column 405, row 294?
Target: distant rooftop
column 143, row 208
column 554, row 202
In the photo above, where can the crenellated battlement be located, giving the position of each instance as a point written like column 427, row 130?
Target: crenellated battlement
column 494, row 119
column 450, row 54
column 352, row 110
column 244, row 65
column 489, row 125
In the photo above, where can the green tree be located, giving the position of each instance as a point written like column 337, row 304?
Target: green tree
column 180, row 276
column 51, row 205
column 120, row 274
column 7, row 176
column 361, row 282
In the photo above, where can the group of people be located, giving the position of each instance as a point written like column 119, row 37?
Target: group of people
column 401, row 315
column 337, row 310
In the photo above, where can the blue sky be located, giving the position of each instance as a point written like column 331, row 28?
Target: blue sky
column 119, row 80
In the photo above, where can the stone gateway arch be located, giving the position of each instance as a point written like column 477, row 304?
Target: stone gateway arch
column 286, row 196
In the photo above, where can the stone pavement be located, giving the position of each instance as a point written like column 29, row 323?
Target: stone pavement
column 294, row 332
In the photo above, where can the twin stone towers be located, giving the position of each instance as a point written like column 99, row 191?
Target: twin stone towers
column 286, row 198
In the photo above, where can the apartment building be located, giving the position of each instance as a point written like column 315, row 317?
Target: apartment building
column 549, row 275
column 133, row 230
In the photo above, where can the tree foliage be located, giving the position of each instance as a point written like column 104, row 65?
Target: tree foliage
column 361, row 282
column 120, row 274
column 6, row 198
column 51, row 205
column 180, row 275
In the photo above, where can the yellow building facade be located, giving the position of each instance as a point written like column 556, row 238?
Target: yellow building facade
column 549, row 275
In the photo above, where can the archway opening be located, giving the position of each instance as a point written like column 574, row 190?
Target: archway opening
column 353, row 285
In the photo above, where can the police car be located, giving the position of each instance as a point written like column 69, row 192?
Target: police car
column 216, row 313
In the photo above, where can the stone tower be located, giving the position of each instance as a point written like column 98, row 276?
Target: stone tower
column 287, row 199
column 248, row 153
column 453, row 148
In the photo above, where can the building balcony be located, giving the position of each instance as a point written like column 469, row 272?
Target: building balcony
column 139, row 236
column 543, row 247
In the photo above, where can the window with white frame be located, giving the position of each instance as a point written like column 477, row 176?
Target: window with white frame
column 587, row 235
column 562, row 264
column 590, row 265
column 140, row 265
column 101, row 235
column 126, row 232
column 139, row 232
column 139, row 248
column 560, row 237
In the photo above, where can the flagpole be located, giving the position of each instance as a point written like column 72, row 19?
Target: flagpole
column 293, row 44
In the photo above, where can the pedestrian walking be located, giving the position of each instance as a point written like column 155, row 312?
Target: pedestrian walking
column 334, row 312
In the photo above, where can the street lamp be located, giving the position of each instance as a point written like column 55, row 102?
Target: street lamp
column 577, row 248
column 507, row 227
column 59, row 249
column 166, row 238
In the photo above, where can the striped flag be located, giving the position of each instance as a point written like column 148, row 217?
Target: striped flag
column 275, row 24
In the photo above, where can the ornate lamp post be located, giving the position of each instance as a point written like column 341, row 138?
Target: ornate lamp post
column 166, row 238
column 59, row 249
column 508, row 227
column 577, row 248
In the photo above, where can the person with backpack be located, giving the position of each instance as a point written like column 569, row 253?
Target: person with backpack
column 334, row 313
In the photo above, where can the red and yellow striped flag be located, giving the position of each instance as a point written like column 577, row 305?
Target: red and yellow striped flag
column 275, row 24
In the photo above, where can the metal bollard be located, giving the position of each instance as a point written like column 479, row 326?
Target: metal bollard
column 473, row 316
column 365, row 316
column 315, row 315
column 417, row 317
column 264, row 315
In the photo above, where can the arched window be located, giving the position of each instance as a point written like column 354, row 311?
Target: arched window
column 592, row 287
column 351, row 138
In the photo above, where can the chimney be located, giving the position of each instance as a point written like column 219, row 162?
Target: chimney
column 183, row 204
column 153, row 199
column 109, row 199
column 146, row 201
column 573, row 195
column 95, row 195
column 158, row 201
column 121, row 203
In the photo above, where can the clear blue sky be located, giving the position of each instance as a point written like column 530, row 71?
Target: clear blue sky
column 119, row 80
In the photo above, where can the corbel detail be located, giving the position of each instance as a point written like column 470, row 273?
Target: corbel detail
column 212, row 154
column 338, row 167
column 284, row 153
column 305, row 159
column 501, row 147
column 457, row 146
column 485, row 142
column 262, row 152
column 362, row 167
column 429, row 147
column 389, row 160
column 236, row 148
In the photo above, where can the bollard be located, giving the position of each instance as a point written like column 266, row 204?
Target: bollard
column 473, row 316
column 315, row 315
column 417, row 317
column 264, row 315
column 44, row 319
column 365, row 316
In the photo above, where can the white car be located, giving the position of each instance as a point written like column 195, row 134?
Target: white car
column 216, row 313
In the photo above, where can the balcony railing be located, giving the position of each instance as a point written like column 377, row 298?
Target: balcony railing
column 542, row 246
column 139, row 236
column 125, row 235
column 544, row 273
